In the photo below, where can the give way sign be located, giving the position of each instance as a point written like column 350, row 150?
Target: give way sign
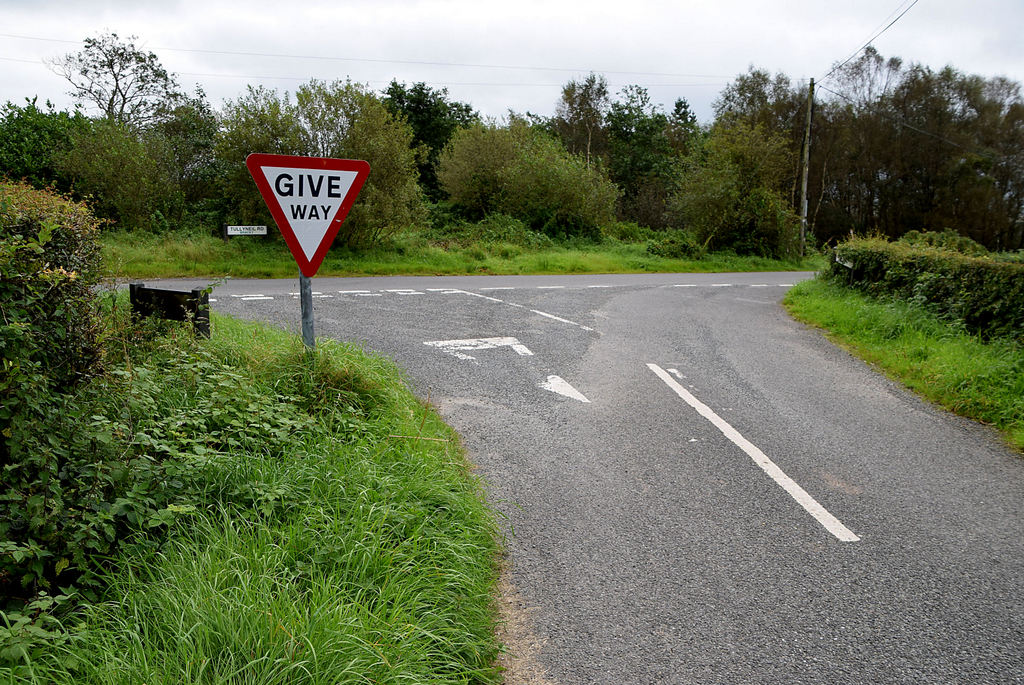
column 309, row 198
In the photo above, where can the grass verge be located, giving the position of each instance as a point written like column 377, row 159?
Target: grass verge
column 350, row 545
column 144, row 255
column 982, row 380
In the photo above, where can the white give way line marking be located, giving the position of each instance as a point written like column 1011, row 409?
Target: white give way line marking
column 830, row 522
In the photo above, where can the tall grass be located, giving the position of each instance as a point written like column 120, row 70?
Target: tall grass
column 362, row 553
column 979, row 379
column 141, row 255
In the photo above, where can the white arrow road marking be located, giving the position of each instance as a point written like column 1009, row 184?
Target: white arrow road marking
column 830, row 522
column 559, row 385
column 457, row 347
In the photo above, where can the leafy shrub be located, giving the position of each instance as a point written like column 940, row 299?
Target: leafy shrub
column 983, row 294
column 32, row 139
column 945, row 240
column 49, row 263
column 340, row 119
column 526, row 174
column 120, row 173
column 675, row 245
column 729, row 193
column 49, row 337
column 627, row 232
column 492, row 229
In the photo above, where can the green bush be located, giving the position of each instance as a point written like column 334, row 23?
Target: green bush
column 32, row 139
column 627, row 232
column 338, row 119
column 729, row 193
column 50, row 342
column 49, row 263
column 946, row 240
column 492, row 229
column 526, row 174
column 120, row 174
column 982, row 294
column 675, row 245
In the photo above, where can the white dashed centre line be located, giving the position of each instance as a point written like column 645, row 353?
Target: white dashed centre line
column 830, row 522
column 558, row 318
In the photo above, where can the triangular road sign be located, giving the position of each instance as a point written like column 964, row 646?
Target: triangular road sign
column 309, row 198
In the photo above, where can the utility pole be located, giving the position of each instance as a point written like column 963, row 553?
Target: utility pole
column 805, row 165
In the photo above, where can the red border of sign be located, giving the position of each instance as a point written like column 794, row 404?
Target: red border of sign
column 255, row 163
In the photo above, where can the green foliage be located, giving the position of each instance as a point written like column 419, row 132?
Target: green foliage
column 523, row 172
column 49, row 259
column 579, row 119
column 492, row 229
column 945, row 240
column 287, row 517
column 184, row 135
column 980, row 379
column 127, row 85
column 33, row 139
column 50, row 343
column 433, row 119
column 258, row 121
column 472, row 166
column 627, row 232
column 642, row 157
column 902, row 146
column 675, row 245
column 118, row 171
column 982, row 294
column 340, row 119
column 728, row 193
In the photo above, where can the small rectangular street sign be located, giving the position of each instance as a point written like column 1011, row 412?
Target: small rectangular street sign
column 244, row 230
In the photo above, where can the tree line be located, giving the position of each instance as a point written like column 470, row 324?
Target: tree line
column 894, row 147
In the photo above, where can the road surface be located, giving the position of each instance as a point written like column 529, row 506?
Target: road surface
column 697, row 488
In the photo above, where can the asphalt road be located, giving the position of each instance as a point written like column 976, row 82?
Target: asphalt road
column 699, row 489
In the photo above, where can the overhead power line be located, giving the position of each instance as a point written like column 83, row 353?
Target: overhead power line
column 334, row 58
column 873, row 38
column 904, row 124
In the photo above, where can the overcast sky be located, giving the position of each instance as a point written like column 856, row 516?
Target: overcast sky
column 505, row 55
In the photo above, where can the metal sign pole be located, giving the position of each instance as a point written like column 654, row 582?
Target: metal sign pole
column 306, row 301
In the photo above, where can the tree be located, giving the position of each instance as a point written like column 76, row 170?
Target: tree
column 343, row 119
column 642, row 156
column 127, row 86
column 434, row 119
column 903, row 147
column 32, row 140
column 728, row 192
column 258, row 121
column 579, row 119
column 472, row 165
column 185, row 135
column 339, row 119
column 524, row 172
column 119, row 174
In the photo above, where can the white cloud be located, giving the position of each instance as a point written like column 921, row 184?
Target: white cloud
column 803, row 38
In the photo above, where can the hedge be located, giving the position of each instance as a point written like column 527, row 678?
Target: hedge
column 984, row 294
column 49, row 344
